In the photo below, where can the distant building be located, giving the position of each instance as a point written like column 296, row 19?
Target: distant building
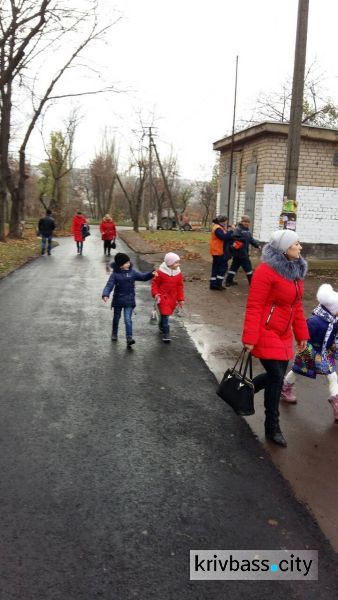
column 258, row 180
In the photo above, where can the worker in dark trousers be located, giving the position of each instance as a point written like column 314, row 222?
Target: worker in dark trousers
column 241, row 240
column 219, row 249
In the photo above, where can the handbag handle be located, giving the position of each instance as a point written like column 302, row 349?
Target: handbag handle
column 240, row 358
column 248, row 364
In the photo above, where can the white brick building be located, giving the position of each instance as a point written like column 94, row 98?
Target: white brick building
column 258, row 180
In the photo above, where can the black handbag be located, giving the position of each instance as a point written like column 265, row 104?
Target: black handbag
column 236, row 389
column 112, row 244
column 85, row 230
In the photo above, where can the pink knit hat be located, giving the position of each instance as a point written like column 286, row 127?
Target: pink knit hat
column 171, row 258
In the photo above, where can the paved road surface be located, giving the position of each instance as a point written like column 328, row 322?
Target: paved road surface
column 115, row 462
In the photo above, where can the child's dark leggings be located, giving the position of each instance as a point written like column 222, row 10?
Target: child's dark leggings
column 164, row 323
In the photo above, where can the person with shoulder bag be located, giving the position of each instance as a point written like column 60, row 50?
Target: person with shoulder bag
column 274, row 313
column 108, row 234
column 79, row 220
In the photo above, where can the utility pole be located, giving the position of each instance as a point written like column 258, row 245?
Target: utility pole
column 292, row 160
column 232, row 141
column 152, row 220
column 151, row 207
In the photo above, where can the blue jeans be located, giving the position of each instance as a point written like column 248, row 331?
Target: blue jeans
column 127, row 312
column 164, row 324
column 44, row 239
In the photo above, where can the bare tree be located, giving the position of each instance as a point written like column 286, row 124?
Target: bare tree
column 208, row 196
column 103, row 169
column 28, row 28
column 318, row 109
column 133, row 186
column 59, row 167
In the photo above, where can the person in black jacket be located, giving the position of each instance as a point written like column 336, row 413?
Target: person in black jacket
column 46, row 227
column 241, row 240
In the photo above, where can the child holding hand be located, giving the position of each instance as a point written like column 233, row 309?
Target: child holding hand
column 168, row 289
column 320, row 353
column 122, row 281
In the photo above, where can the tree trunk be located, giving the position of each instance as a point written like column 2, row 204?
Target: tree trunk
column 3, row 200
column 4, row 140
column 16, row 226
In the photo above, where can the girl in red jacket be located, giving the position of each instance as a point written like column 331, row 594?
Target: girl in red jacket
column 168, row 290
column 273, row 313
column 108, row 233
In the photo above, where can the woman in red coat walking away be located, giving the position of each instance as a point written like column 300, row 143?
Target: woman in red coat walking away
column 78, row 221
column 167, row 287
column 108, row 233
column 273, row 313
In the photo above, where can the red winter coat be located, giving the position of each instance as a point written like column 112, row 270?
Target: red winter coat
column 274, row 309
column 108, row 230
column 78, row 221
column 169, row 285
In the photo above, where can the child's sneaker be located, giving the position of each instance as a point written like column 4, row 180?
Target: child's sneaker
column 113, row 337
column 166, row 338
column 288, row 394
column 130, row 341
column 334, row 403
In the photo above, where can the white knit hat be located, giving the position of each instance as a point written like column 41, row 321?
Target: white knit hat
column 171, row 258
column 328, row 298
column 283, row 238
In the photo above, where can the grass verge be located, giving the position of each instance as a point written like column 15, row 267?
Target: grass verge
column 15, row 253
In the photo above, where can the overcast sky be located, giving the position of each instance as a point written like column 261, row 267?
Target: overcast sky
column 177, row 59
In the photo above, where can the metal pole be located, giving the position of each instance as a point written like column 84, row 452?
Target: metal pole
column 292, row 160
column 151, row 207
column 232, row 142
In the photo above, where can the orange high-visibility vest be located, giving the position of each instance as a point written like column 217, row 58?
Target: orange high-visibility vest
column 216, row 245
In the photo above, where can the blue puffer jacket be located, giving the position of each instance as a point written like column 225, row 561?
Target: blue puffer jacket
column 122, row 281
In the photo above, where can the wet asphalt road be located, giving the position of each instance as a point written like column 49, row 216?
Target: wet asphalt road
column 115, row 462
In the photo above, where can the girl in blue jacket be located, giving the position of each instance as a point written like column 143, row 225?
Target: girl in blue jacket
column 122, row 281
column 319, row 357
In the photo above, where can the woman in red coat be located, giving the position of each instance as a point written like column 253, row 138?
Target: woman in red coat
column 167, row 288
column 273, row 313
column 78, row 221
column 108, row 231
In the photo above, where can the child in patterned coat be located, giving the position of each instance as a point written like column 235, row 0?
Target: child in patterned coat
column 319, row 356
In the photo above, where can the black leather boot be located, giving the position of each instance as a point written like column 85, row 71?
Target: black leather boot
column 272, row 428
column 277, row 438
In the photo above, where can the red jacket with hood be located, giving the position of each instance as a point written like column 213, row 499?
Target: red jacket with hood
column 78, row 221
column 169, row 285
column 274, row 307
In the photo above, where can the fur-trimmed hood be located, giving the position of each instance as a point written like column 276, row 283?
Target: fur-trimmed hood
column 290, row 269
